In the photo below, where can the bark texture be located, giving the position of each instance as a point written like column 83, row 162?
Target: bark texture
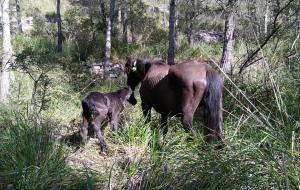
column 7, row 54
column 172, row 33
column 228, row 39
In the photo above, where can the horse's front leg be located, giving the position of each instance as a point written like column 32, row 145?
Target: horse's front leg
column 146, row 111
column 164, row 122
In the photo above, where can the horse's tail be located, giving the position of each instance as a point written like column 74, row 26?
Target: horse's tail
column 213, row 107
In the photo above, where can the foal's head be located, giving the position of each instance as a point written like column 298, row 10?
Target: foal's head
column 126, row 94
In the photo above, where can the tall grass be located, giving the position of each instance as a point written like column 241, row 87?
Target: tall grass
column 30, row 159
column 262, row 151
column 254, row 158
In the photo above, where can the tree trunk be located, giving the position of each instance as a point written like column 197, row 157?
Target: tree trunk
column 266, row 18
column 190, row 34
column 19, row 20
column 124, row 21
column 59, row 30
column 132, row 30
column 7, row 54
column 228, row 40
column 102, row 12
column 171, row 50
column 191, row 17
column 164, row 19
column 108, row 34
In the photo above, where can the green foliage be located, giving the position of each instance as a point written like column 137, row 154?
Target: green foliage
column 211, row 52
column 255, row 157
column 30, row 159
column 261, row 118
column 134, row 133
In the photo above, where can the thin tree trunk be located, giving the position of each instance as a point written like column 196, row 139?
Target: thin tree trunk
column 190, row 37
column 164, row 19
column 171, row 50
column 108, row 34
column 124, row 21
column 266, row 18
column 102, row 12
column 120, row 15
column 19, row 20
column 132, row 31
column 7, row 54
column 191, row 17
column 228, row 40
column 59, row 30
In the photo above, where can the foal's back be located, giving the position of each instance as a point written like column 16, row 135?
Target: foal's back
column 97, row 99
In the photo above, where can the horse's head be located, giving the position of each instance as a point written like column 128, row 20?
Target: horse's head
column 135, row 71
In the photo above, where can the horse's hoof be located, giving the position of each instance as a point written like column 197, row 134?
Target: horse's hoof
column 77, row 148
column 103, row 153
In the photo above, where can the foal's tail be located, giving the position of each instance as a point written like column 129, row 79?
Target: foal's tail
column 88, row 108
column 213, row 107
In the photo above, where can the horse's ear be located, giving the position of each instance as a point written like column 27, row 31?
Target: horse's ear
column 128, row 65
column 128, row 59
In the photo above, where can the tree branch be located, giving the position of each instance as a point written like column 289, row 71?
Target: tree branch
column 268, row 38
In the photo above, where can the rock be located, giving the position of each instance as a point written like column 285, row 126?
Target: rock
column 113, row 70
column 208, row 37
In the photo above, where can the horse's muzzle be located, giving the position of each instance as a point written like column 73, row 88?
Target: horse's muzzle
column 132, row 100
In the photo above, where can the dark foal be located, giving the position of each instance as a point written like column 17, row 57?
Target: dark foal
column 97, row 107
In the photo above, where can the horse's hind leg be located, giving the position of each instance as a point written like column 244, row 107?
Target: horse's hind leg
column 187, row 121
column 189, row 105
column 91, row 132
column 84, row 130
column 96, row 125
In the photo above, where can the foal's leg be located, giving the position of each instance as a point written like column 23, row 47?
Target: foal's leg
column 97, row 128
column 114, row 119
column 84, row 130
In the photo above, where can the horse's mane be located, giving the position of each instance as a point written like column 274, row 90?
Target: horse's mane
column 158, row 62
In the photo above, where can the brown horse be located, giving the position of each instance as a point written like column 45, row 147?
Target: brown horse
column 178, row 90
column 97, row 107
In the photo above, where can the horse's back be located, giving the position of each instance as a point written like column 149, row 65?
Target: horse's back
column 167, row 87
column 189, row 70
column 156, row 90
